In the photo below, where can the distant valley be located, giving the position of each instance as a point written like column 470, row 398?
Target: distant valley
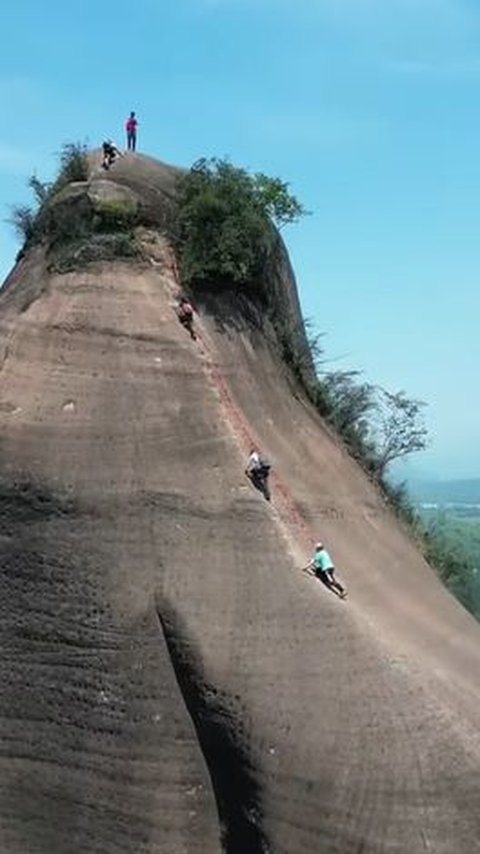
column 445, row 492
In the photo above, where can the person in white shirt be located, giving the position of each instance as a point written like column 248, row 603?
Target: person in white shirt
column 110, row 153
column 258, row 470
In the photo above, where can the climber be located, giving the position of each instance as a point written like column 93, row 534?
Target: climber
column 322, row 566
column 258, row 470
column 185, row 315
column 110, row 153
column 131, row 129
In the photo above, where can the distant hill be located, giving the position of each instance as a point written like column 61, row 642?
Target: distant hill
column 446, row 491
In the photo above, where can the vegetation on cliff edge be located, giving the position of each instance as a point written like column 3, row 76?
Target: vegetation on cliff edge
column 379, row 427
column 224, row 223
column 76, row 231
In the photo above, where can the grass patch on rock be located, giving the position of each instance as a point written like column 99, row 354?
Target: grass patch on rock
column 98, row 247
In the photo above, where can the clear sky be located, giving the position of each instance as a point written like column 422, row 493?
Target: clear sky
column 370, row 108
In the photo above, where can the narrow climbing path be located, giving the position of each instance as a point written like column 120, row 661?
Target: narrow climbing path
column 284, row 508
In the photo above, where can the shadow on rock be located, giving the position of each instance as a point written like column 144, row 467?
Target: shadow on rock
column 237, row 792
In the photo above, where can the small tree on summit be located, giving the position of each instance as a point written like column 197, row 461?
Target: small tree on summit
column 22, row 219
column 40, row 189
column 73, row 166
column 73, row 159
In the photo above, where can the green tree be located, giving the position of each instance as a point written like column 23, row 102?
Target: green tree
column 454, row 565
column 26, row 219
column 22, row 219
column 223, row 227
column 276, row 201
column 73, row 160
column 40, row 189
column 349, row 406
column 398, row 428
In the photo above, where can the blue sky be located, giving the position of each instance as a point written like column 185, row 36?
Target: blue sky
column 368, row 107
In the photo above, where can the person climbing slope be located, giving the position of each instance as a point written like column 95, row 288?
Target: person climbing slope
column 131, row 130
column 258, row 470
column 185, row 316
column 110, row 153
column 322, row 566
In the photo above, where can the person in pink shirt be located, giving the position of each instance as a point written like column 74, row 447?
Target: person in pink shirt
column 131, row 129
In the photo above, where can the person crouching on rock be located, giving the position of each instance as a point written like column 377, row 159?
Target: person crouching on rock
column 185, row 316
column 110, row 153
column 322, row 566
column 258, row 470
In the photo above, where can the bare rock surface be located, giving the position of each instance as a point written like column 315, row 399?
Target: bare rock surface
column 171, row 683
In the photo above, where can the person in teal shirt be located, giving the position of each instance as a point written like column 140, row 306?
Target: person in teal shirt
column 322, row 565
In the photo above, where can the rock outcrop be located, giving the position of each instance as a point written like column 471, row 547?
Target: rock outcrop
column 171, row 682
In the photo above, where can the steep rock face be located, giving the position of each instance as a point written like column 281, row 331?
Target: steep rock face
column 170, row 681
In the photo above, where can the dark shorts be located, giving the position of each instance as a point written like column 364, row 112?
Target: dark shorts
column 324, row 573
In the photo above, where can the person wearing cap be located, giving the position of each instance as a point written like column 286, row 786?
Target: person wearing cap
column 322, row 565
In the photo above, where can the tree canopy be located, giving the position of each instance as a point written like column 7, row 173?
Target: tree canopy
column 225, row 220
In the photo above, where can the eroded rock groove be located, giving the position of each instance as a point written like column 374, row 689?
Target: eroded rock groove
column 236, row 790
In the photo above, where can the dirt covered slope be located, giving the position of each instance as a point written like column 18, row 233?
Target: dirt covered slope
column 171, row 682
